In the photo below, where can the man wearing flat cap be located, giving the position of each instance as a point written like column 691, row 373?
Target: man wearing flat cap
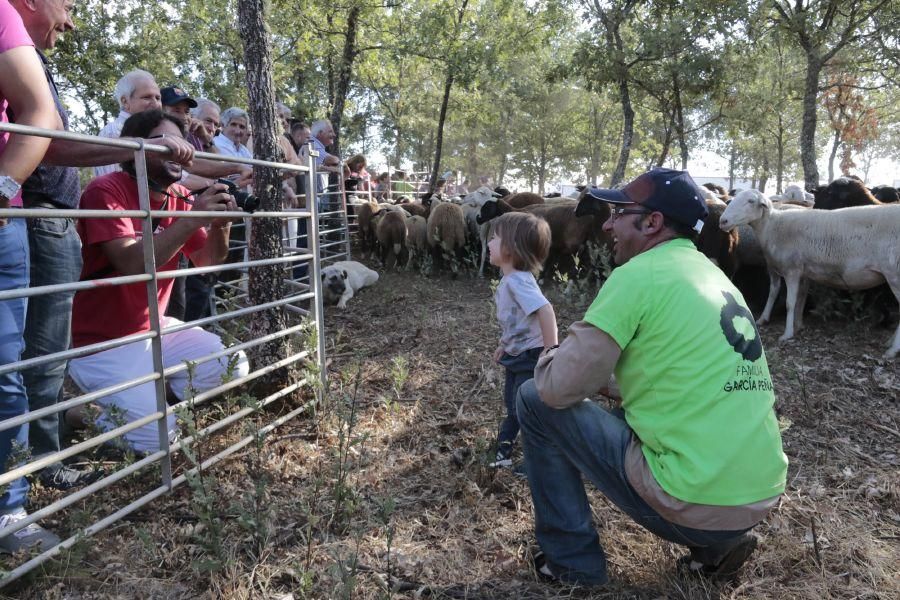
column 693, row 453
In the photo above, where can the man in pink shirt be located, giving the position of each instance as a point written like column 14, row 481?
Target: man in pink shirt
column 23, row 89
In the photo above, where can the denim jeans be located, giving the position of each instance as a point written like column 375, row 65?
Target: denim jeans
column 197, row 294
column 519, row 369
column 13, row 402
column 55, row 258
column 562, row 445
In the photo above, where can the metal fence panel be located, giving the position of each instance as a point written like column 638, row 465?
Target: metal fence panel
column 227, row 309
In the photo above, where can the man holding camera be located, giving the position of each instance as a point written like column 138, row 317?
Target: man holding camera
column 112, row 247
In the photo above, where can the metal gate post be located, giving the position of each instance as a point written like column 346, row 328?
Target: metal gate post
column 153, row 305
column 315, row 276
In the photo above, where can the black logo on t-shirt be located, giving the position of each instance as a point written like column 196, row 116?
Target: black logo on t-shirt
column 748, row 349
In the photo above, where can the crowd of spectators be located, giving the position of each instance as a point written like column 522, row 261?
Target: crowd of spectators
column 39, row 173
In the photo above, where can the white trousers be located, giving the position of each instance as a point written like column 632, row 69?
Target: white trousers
column 134, row 360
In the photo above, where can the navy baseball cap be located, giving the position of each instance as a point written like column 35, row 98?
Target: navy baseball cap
column 673, row 193
column 173, row 94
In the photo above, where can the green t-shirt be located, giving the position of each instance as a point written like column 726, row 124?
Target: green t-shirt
column 695, row 384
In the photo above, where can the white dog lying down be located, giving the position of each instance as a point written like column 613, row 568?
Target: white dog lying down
column 342, row 279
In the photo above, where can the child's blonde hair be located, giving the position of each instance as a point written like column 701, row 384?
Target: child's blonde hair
column 525, row 238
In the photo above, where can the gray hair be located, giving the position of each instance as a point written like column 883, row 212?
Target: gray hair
column 203, row 103
column 128, row 83
column 233, row 113
column 282, row 108
column 319, row 126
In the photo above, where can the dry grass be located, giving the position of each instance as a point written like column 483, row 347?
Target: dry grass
column 461, row 530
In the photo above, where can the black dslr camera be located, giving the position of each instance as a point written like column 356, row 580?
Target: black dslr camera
column 246, row 202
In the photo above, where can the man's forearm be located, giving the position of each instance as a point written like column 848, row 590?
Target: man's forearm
column 213, row 168
column 576, row 370
column 127, row 256
column 66, row 153
column 215, row 250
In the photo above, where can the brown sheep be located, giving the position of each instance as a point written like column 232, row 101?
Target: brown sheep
column 391, row 235
column 415, row 208
column 417, row 238
column 446, row 230
column 365, row 228
column 570, row 232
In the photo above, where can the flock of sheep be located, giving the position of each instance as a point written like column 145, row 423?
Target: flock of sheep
column 853, row 244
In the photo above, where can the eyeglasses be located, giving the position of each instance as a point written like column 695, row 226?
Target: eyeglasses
column 616, row 212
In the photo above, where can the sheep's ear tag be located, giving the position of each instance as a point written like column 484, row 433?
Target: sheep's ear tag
column 344, row 274
column 698, row 227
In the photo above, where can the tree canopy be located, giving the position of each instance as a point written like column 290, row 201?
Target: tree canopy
column 534, row 91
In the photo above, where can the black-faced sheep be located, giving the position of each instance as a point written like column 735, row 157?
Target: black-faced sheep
column 843, row 192
column 850, row 248
column 494, row 209
column 717, row 245
column 886, row 194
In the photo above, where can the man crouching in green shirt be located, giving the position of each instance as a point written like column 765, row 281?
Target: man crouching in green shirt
column 694, row 454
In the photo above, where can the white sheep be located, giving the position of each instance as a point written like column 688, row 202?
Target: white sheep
column 851, row 248
column 797, row 195
column 711, row 197
column 480, row 196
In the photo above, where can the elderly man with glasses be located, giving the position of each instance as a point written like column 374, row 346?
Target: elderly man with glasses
column 693, row 451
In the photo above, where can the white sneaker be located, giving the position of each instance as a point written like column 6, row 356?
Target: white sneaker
column 26, row 538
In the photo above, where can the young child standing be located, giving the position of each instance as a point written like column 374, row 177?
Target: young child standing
column 518, row 246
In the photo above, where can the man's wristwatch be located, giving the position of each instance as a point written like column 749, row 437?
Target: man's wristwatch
column 9, row 187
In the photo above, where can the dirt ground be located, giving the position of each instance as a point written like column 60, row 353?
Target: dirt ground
column 391, row 476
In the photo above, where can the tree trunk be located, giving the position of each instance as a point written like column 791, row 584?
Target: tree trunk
column 542, row 166
column 834, row 148
column 445, row 102
column 779, row 168
column 667, row 142
column 732, row 164
column 764, row 173
column 808, row 130
column 439, row 142
column 345, row 73
column 627, row 133
column 266, row 283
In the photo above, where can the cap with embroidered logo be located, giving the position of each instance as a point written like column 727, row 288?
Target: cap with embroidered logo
column 173, row 94
column 671, row 192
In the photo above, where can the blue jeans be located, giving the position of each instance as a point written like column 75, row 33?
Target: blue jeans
column 560, row 446
column 13, row 402
column 519, row 369
column 55, row 258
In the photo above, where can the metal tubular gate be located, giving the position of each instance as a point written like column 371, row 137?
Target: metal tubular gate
column 301, row 291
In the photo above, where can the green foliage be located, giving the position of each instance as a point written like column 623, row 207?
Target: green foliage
column 535, row 93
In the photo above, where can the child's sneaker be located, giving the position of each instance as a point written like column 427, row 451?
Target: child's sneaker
column 504, row 456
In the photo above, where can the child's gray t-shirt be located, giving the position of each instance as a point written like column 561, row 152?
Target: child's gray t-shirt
column 518, row 299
